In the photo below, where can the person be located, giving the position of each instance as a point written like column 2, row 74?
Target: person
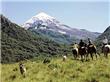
column 81, row 44
column 105, row 42
column 90, row 42
column 75, row 45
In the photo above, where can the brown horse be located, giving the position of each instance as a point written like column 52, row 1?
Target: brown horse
column 106, row 50
column 83, row 52
column 91, row 49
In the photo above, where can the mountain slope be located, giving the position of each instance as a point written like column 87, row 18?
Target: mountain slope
column 105, row 33
column 55, row 36
column 19, row 44
column 45, row 22
column 101, row 37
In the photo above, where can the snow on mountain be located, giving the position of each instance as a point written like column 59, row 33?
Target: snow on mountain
column 45, row 22
column 44, row 16
column 40, row 19
column 62, row 32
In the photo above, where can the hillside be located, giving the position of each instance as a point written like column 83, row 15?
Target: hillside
column 101, row 37
column 105, row 33
column 19, row 44
column 55, row 36
column 59, row 71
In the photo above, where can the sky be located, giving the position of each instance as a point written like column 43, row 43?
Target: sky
column 92, row 15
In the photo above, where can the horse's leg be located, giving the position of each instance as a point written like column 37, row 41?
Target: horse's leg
column 75, row 56
column 84, row 56
column 106, row 55
column 96, row 55
column 91, row 55
column 108, row 50
column 87, row 56
column 81, row 57
column 78, row 55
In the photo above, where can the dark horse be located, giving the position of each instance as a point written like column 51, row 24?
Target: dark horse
column 91, row 49
column 83, row 52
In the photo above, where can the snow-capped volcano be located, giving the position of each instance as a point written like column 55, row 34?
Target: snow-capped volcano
column 41, row 19
column 44, row 16
column 41, row 16
column 45, row 23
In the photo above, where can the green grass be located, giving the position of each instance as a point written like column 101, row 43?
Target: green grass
column 59, row 71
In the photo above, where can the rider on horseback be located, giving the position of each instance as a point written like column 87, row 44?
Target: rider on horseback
column 82, row 49
column 90, row 44
column 105, row 42
column 75, row 45
column 89, row 41
column 81, row 44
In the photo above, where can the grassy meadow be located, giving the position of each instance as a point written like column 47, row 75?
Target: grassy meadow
column 59, row 71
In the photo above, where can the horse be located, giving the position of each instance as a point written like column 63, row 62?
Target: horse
column 82, row 52
column 106, row 50
column 75, row 51
column 91, row 49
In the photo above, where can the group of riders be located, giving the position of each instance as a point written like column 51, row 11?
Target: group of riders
column 90, row 43
column 83, row 48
